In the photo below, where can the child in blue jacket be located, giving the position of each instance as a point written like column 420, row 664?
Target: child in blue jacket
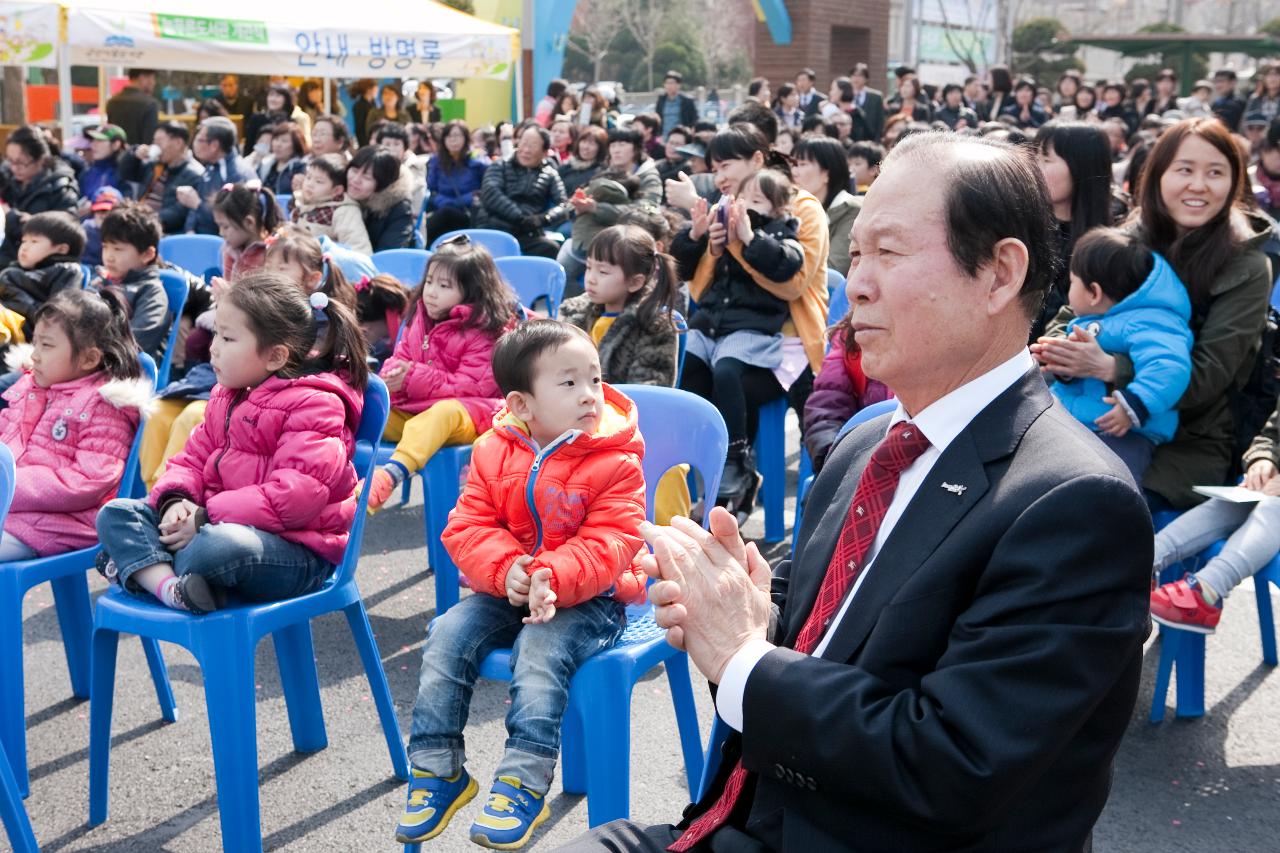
column 1132, row 301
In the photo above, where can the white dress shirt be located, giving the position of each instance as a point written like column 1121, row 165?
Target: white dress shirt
column 941, row 423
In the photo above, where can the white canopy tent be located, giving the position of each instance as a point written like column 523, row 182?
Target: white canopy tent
column 374, row 38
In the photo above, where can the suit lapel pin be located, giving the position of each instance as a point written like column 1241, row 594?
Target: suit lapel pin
column 956, row 490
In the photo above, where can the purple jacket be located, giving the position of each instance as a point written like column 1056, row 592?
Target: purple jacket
column 840, row 390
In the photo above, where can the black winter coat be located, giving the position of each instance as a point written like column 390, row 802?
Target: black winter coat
column 511, row 192
column 51, row 189
column 388, row 215
column 734, row 302
column 24, row 291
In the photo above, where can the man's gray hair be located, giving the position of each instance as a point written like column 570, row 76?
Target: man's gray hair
column 221, row 130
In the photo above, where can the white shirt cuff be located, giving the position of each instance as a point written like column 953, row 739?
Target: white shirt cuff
column 733, row 685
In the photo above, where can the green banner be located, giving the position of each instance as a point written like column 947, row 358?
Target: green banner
column 188, row 28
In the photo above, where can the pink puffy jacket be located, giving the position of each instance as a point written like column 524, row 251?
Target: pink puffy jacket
column 276, row 457
column 448, row 360
column 70, row 442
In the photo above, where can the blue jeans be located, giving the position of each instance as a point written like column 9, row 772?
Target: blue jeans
column 255, row 565
column 543, row 660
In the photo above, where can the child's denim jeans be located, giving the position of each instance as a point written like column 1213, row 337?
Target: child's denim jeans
column 255, row 565
column 543, row 661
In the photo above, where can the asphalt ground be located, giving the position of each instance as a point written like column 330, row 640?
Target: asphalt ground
column 1185, row 785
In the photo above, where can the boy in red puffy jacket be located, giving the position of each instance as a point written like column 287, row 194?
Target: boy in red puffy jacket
column 547, row 531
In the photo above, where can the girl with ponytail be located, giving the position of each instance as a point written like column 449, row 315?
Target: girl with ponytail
column 291, row 253
column 631, row 291
column 259, row 503
column 81, row 388
column 628, row 310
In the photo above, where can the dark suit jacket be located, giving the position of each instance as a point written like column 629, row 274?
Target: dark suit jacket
column 136, row 112
column 814, row 105
column 974, row 695
column 868, row 120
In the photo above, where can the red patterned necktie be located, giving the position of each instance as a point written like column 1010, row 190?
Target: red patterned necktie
column 902, row 446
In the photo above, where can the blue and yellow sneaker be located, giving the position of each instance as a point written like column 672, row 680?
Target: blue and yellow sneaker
column 433, row 801
column 510, row 817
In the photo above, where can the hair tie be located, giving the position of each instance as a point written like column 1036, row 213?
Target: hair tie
column 254, row 184
column 363, row 284
column 319, row 300
column 228, row 187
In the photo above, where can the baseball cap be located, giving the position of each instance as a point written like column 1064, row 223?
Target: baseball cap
column 109, row 132
column 106, row 199
column 1256, row 119
column 693, row 149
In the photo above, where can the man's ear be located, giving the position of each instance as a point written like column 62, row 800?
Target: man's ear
column 1007, row 272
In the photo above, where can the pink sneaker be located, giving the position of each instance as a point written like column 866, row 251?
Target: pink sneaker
column 1180, row 605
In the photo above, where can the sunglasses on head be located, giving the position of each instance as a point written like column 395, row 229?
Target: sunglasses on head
column 456, row 240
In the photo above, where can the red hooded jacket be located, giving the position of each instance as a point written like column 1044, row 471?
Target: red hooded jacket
column 574, row 505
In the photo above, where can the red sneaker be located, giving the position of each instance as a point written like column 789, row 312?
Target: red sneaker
column 1180, row 605
column 381, row 488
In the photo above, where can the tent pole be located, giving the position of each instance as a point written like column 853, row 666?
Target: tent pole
column 64, row 92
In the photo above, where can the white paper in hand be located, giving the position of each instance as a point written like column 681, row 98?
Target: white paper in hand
column 1235, row 494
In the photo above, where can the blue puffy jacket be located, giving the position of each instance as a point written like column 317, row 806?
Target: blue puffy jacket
column 1150, row 327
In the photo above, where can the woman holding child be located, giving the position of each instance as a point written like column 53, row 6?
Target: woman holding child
column 738, row 357
column 1193, row 213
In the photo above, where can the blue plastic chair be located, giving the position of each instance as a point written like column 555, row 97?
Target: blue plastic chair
column 441, row 486
column 682, row 344
column 678, row 427
column 835, row 284
column 177, row 290
column 16, row 823
column 66, row 574
column 12, row 813
column 534, row 278
column 771, row 461
column 499, row 243
column 283, row 200
column 407, row 265
column 195, row 253
column 839, row 305
column 1185, row 650
column 223, row 643
column 863, row 415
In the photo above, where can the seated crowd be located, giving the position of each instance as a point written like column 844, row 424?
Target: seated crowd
column 1155, row 337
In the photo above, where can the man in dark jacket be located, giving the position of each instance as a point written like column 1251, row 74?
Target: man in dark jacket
column 133, row 108
column 215, row 147
column 673, row 107
column 230, row 96
column 159, row 179
column 868, row 106
column 523, row 195
column 1227, row 105
column 810, row 98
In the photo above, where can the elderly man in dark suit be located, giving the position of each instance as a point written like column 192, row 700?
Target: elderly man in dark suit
column 952, row 657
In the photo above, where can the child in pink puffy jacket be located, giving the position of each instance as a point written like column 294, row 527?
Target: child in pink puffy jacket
column 70, row 421
column 262, row 498
column 441, row 374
